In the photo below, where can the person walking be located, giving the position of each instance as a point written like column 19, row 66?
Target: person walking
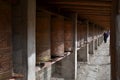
column 105, row 37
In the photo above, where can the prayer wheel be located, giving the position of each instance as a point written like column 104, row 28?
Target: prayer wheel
column 68, row 25
column 90, row 30
column 85, row 32
column 5, row 41
column 57, row 37
column 43, row 37
column 82, row 35
column 78, row 35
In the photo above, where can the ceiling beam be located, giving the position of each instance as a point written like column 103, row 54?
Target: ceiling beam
column 78, row 3
column 85, row 7
column 80, row 0
column 91, row 11
column 94, row 14
column 97, row 18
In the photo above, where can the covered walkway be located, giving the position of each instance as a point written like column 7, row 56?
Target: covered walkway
column 99, row 66
column 59, row 39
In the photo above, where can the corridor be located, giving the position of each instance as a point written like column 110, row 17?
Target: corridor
column 59, row 40
column 98, row 67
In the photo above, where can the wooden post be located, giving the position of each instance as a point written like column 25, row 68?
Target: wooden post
column 91, row 45
column 75, row 46
column 87, row 37
column 113, row 38
column 96, row 38
column 31, row 46
column 83, row 52
column 71, row 61
column 24, row 54
column 5, row 40
column 93, row 36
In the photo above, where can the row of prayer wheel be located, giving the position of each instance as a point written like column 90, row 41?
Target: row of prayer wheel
column 81, row 32
column 54, row 36
column 5, row 41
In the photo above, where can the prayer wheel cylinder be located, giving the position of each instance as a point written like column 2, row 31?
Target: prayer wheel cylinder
column 78, row 35
column 82, row 35
column 85, row 32
column 5, row 41
column 43, row 37
column 57, row 40
column 68, row 25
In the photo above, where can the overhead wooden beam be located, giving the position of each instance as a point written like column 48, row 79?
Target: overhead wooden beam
column 89, row 12
column 92, row 11
column 99, row 20
column 94, row 14
column 90, row 3
column 85, row 8
column 81, row 0
column 96, row 18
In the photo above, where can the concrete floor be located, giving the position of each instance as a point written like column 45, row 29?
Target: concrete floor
column 98, row 67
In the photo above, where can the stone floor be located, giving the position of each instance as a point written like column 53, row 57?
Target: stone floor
column 98, row 67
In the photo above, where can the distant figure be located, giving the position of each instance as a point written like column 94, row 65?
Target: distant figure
column 105, row 36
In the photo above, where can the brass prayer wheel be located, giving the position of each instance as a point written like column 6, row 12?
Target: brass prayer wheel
column 57, row 37
column 43, row 37
column 68, row 27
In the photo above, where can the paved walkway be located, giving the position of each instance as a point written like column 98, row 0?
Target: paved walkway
column 99, row 66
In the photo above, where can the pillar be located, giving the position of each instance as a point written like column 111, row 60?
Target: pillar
column 69, row 64
column 82, row 56
column 83, row 53
column 24, row 52
column 91, row 44
column 31, row 41
column 117, row 68
column 114, row 41
column 95, row 38
column 91, row 47
column 5, row 40
column 99, row 37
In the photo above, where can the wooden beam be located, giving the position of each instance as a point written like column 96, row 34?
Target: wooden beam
column 85, row 8
column 94, row 14
column 78, row 3
column 87, row 12
column 113, row 51
column 97, row 12
column 97, row 18
column 84, row 0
